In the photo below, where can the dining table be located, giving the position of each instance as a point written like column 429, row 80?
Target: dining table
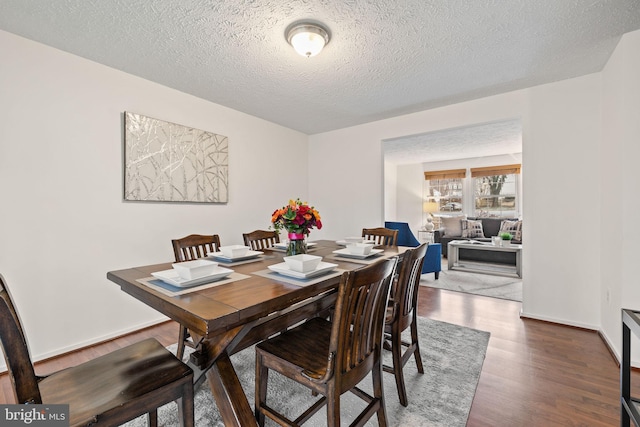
column 251, row 304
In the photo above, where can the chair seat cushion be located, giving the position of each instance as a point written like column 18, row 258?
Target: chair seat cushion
column 121, row 375
column 305, row 346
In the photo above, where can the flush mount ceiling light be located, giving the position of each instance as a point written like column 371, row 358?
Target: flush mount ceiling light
column 307, row 39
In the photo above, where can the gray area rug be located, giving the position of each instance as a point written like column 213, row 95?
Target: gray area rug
column 452, row 357
column 489, row 285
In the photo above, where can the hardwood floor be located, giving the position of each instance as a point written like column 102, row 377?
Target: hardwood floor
column 534, row 374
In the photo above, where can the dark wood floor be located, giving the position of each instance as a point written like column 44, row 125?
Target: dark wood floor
column 535, row 373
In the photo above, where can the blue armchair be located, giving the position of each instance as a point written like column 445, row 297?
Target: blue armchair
column 433, row 259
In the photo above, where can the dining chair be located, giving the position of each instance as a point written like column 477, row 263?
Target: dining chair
column 106, row 391
column 332, row 357
column 401, row 314
column 261, row 239
column 195, row 246
column 382, row 236
column 188, row 248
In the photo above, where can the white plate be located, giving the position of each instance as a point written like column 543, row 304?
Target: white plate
column 173, row 278
column 283, row 268
column 345, row 243
column 220, row 256
column 345, row 252
column 285, row 245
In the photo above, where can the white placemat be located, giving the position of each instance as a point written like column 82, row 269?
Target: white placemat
column 365, row 261
column 222, row 263
column 269, row 274
column 171, row 290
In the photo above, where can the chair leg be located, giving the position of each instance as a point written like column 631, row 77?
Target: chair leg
column 333, row 407
column 378, row 392
column 185, row 407
column 262, row 376
column 414, row 341
column 396, row 352
column 152, row 417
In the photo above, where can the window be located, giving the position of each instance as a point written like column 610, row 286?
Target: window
column 443, row 192
column 447, row 193
column 496, row 191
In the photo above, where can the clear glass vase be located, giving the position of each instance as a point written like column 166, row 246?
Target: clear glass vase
column 297, row 244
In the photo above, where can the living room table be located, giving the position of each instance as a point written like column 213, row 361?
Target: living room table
column 249, row 307
column 455, row 263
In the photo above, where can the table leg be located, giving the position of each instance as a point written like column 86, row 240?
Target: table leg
column 228, row 393
column 452, row 256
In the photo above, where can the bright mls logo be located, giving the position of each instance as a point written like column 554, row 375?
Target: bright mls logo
column 34, row 415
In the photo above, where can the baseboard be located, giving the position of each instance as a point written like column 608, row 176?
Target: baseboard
column 612, row 350
column 562, row 322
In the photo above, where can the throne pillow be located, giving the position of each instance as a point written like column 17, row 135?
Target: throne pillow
column 512, row 227
column 472, row 229
column 452, row 225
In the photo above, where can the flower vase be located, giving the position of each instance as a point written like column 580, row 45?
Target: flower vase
column 297, row 244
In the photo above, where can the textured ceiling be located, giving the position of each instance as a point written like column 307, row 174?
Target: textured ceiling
column 480, row 140
column 385, row 57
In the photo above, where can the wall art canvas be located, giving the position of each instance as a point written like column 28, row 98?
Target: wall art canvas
column 168, row 162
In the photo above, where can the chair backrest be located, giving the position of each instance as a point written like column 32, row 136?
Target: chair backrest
column 405, row 236
column 382, row 236
column 16, row 351
column 405, row 291
column 356, row 334
column 195, row 246
column 261, row 239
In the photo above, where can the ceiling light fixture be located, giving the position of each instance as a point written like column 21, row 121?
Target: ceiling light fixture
column 307, row 39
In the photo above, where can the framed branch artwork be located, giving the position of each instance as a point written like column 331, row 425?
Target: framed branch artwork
column 168, row 162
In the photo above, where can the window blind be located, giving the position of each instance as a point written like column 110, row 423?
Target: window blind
column 495, row 170
column 448, row 174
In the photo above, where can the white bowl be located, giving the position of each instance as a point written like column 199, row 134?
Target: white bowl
column 234, row 251
column 353, row 239
column 360, row 248
column 303, row 263
column 195, row 269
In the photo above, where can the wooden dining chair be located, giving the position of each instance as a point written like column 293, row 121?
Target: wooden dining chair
column 195, row 246
column 332, row 357
column 382, row 236
column 261, row 239
column 106, row 391
column 402, row 313
column 188, row 248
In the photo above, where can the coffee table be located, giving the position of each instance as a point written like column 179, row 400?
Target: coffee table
column 454, row 262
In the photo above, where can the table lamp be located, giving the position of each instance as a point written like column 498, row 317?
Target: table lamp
column 428, row 208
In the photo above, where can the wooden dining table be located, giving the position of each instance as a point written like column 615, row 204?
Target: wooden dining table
column 226, row 318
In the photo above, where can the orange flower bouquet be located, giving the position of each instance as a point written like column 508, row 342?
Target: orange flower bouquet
column 297, row 218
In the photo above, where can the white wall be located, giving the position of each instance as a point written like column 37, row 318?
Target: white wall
column 620, row 208
column 561, row 146
column 559, row 120
column 390, row 175
column 408, row 193
column 64, row 224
